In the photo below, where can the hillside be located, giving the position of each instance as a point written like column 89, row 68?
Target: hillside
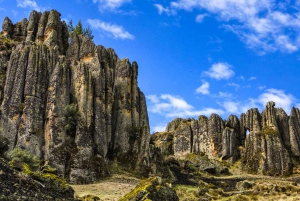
column 15, row 185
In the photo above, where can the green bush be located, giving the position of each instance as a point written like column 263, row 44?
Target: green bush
column 71, row 114
column 22, row 156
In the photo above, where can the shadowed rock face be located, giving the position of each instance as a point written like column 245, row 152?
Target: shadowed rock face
column 266, row 142
column 75, row 105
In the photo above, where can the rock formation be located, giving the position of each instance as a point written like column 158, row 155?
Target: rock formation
column 152, row 188
column 265, row 142
column 20, row 186
column 73, row 104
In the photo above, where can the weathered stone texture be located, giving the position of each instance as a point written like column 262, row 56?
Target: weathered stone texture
column 75, row 106
column 294, row 130
column 266, row 142
column 231, row 139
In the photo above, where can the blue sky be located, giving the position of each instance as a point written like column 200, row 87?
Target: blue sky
column 195, row 56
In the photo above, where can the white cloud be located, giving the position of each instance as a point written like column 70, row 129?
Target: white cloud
column 238, row 107
column 264, row 25
column 15, row 13
column 110, row 5
column 200, row 17
column 204, row 88
column 281, row 99
column 113, row 30
column 29, row 4
column 224, row 95
column 166, row 10
column 252, row 78
column 173, row 106
column 176, row 102
column 153, row 98
column 232, row 107
column 159, row 128
column 220, row 71
column 235, row 85
column 285, row 43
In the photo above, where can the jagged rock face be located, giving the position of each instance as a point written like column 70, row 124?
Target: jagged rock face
column 265, row 152
column 266, row 142
column 76, row 106
column 294, row 131
column 163, row 140
column 231, row 139
column 183, row 136
column 197, row 136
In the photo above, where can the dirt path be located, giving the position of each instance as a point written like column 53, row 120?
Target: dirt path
column 110, row 189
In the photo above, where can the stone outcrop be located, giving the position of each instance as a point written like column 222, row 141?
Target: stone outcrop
column 15, row 185
column 264, row 151
column 151, row 189
column 265, row 142
column 73, row 104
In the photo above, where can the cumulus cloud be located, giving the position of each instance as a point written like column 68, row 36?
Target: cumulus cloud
column 110, row 5
column 173, row 106
column 203, row 89
column 232, row 107
column 264, row 25
column 29, row 4
column 220, row 71
column 112, row 30
column 281, row 99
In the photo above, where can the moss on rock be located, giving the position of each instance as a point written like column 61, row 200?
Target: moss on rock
column 151, row 189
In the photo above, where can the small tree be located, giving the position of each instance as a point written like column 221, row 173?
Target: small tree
column 78, row 29
column 88, row 32
column 70, row 26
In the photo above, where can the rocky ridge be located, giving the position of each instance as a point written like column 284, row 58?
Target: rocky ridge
column 73, row 104
column 267, row 143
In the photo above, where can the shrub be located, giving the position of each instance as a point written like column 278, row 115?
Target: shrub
column 22, row 156
column 71, row 114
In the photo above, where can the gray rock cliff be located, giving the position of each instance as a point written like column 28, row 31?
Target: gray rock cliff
column 73, row 104
column 267, row 143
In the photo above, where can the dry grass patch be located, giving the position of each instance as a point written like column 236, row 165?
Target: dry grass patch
column 111, row 189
